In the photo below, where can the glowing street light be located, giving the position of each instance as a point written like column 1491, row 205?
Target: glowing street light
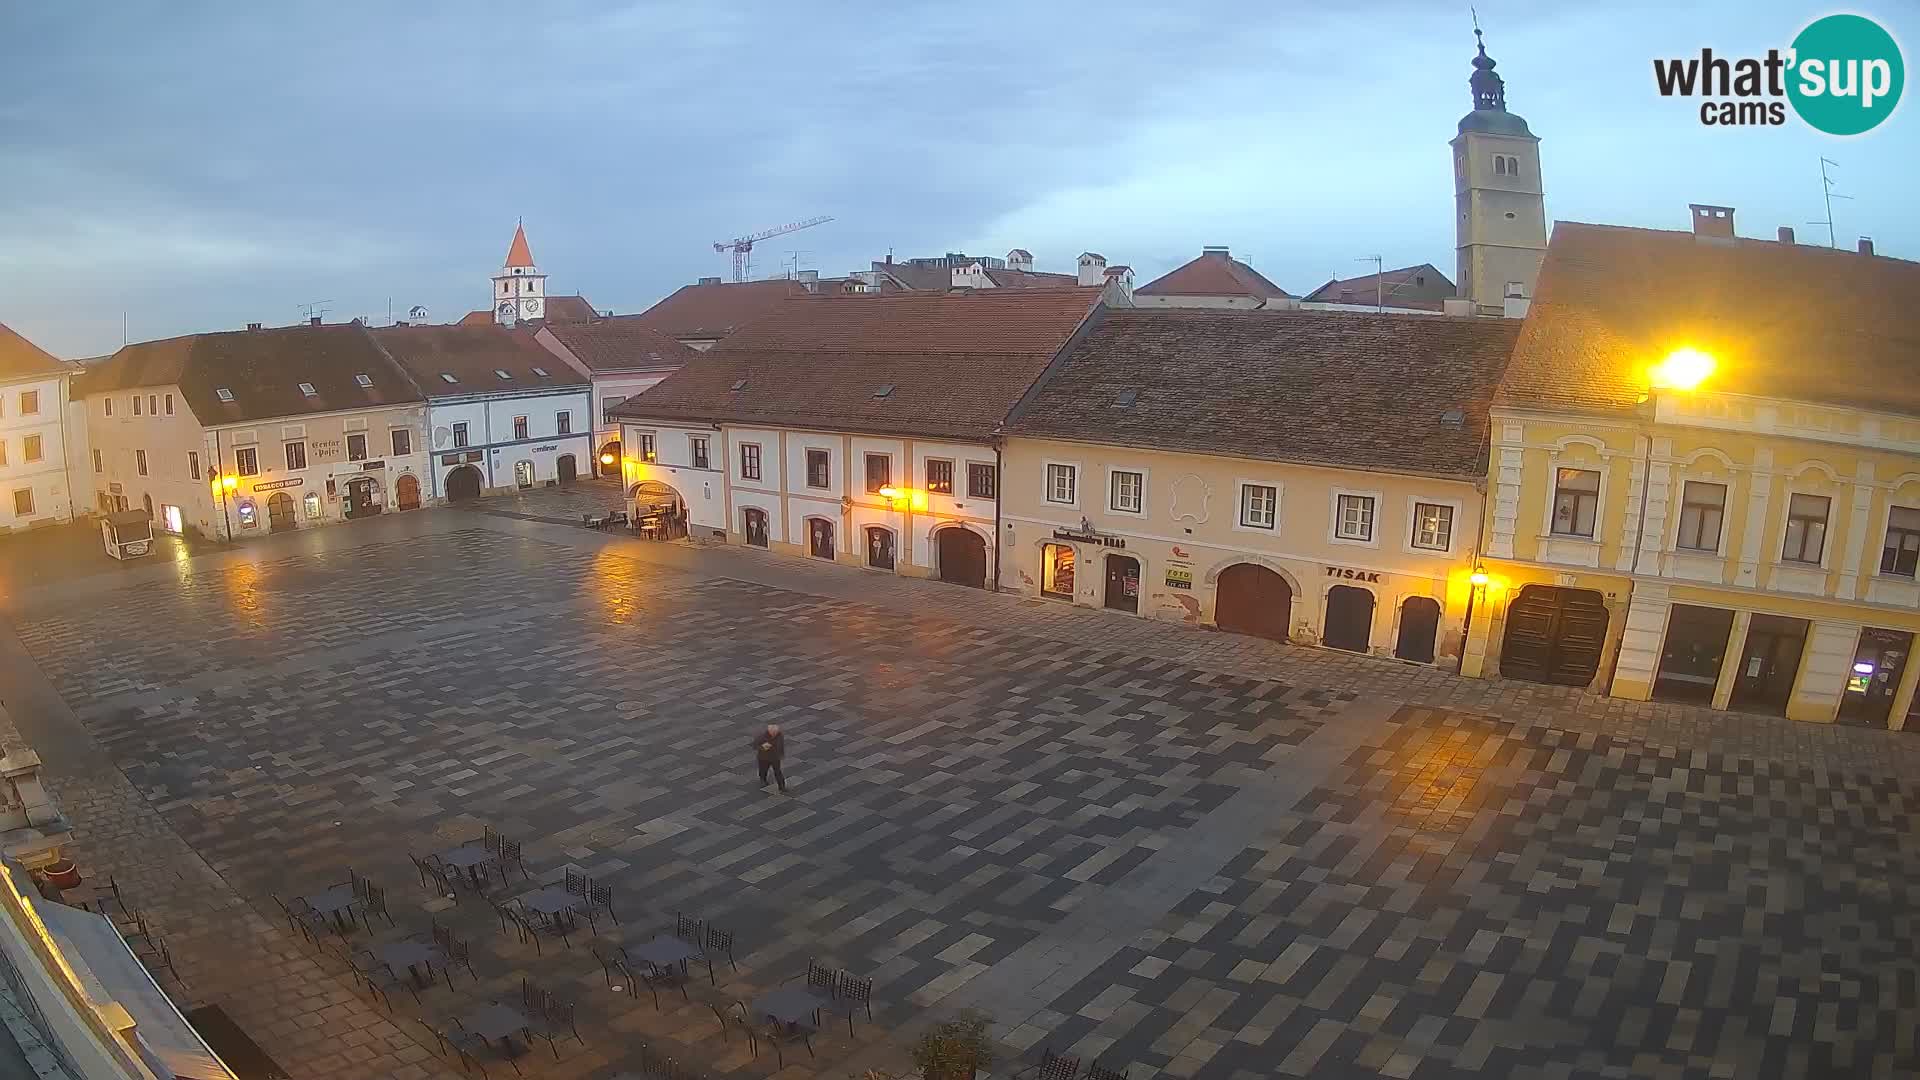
column 1479, row 578
column 606, row 459
column 229, row 481
column 1684, row 368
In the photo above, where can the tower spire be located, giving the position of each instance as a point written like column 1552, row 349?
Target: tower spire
column 518, row 253
column 1489, row 90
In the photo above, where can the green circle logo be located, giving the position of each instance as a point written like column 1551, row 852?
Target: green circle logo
column 1846, row 76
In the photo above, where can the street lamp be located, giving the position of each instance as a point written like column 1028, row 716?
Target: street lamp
column 222, row 485
column 1477, row 581
column 1684, row 368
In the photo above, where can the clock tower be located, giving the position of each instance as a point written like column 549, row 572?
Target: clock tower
column 519, row 289
column 1500, row 202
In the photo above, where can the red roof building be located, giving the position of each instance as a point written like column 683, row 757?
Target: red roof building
column 1213, row 280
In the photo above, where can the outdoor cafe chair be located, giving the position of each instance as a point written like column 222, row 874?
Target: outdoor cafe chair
column 373, row 902
column 778, row 1033
column 1052, row 1066
column 721, row 942
column 1096, row 1071
column 510, row 856
column 601, row 896
column 854, row 992
column 733, row 1017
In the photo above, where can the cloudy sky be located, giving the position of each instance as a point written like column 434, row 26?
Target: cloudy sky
column 196, row 167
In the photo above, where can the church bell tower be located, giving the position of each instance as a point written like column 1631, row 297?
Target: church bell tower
column 1501, row 223
column 519, row 289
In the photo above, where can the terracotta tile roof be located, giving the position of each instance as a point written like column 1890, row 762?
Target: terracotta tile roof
column 518, row 253
column 1342, row 389
column 476, row 318
column 1422, row 286
column 1788, row 321
column 943, row 365
column 1031, row 279
column 569, row 309
column 263, row 369
column 20, row 357
column 473, row 355
column 927, row 278
column 621, row 343
column 1214, row 273
column 696, row 312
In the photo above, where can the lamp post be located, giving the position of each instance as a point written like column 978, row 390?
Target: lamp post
column 224, row 484
column 1476, row 581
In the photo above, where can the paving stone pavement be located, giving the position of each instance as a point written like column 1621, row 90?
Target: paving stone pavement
column 1124, row 837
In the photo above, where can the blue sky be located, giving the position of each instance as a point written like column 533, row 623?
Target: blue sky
column 198, row 167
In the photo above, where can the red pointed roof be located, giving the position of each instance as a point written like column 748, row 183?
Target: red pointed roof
column 518, row 254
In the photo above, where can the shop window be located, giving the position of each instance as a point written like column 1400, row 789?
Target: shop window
column 1702, row 510
column 312, row 505
column 1576, row 502
column 1056, row 570
column 249, row 514
column 1806, row 529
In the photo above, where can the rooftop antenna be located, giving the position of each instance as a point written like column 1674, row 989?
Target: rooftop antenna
column 1379, row 286
column 316, row 309
column 1826, row 190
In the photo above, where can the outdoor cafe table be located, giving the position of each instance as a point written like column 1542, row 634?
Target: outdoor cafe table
column 410, row 955
column 552, row 900
column 789, row 1004
column 335, row 902
column 469, row 858
column 495, row 1021
column 666, row 951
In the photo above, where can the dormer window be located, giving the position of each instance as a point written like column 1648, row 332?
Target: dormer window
column 502, row 372
column 884, row 392
column 306, row 390
column 738, row 385
column 541, row 372
column 365, row 381
column 447, row 377
column 224, row 394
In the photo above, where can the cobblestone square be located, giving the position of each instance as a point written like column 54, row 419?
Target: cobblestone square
column 1163, row 848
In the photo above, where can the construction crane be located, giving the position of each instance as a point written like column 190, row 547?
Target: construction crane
column 743, row 246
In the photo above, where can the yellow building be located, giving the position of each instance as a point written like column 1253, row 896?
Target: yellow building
column 1704, row 476
column 1306, row 476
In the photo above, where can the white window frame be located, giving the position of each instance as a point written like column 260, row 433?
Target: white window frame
column 1333, row 517
column 806, row 476
column 286, row 453
column 1139, row 511
column 1719, row 550
column 1413, row 524
column 1046, row 483
column 1240, row 486
column 1557, row 460
column 1826, row 534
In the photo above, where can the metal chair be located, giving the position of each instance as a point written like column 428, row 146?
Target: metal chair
column 1052, row 1066
column 373, row 902
column 379, row 979
column 601, row 896
column 359, row 884
column 821, row 978
column 613, row 961
column 556, row 1019
column 733, row 1017
column 510, row 855
column 114, row 888
column 420, row 867
column 688, row 928
column 778, row 1033
column 855, row 991
column 721, row 942
column 576, row 884
column 653, row 977
column 458, row 952
column 134, row 924
column 491, row 840
column 1096, row 1072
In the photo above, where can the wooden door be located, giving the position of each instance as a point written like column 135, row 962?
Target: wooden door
column 753, row 522
column 1419, row 625
column 963, row 558
column 879, row 548
column 1349, row 619
column 406, row 491
column 1554, row 635
column 1123, row 583
column 1251, row 599
column 280, row 512
column 463, row 483
column 820, row 538
column 1769, row 663
column 566, row 469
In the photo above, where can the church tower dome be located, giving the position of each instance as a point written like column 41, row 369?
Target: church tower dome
column 1499, row 202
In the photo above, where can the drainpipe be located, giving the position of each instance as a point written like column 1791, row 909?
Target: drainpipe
column 998, row 502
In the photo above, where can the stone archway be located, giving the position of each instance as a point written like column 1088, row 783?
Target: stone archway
column 658, row 510
column 1250, row 598
column 463, row 483
column 961, row 556
column 406, row 492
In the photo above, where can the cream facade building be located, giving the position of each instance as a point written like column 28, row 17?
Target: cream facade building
column 313, row 424
column 35, row 437
column 1303, row 476
column 1705, row 489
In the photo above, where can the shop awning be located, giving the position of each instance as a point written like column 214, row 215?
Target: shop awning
column 109, row 972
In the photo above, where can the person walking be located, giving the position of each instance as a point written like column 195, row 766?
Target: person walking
column 769, row 748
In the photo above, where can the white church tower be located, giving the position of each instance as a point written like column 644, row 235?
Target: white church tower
column 1500, row 203
column 519, row 289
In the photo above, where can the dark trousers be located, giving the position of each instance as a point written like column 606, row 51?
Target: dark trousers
column 777, row 774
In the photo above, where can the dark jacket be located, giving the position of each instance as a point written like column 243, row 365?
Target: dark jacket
column 777, row 753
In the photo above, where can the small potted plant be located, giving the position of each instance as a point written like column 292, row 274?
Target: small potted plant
column 955, row 1050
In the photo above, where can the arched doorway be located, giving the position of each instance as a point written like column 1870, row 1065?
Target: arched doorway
column 607, row 461
column 658, row 510
column 463, row 483
column 753, row 524
column 820, row 538
column 1123, row 583
column 1419, row 625
column 363, row 497
column 1555, row 635
column 280, row 512
column 1251, row 599
column 565, row 468
column 523, row 474
column 963, row 557
column 879, row 547
column 1349, row 619
column 406, row 491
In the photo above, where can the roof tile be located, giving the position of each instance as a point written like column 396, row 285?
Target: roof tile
column 1214, row 273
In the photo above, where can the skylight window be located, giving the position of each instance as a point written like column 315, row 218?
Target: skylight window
column 224, row 394
column 365, row 381
column 884, row 391
column 306, row 390
column 540, row 371
column 1126, row 398
column 502, row 372
column 447, row 377
column 739, row 384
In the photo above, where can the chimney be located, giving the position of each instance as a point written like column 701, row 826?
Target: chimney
column 1457, row 307
column 708, row 281
column 1866, row 245
column 1020, row 259
column 1093, row 268
column 313, row 320
column 808, row 277
column 1712, row 222
column 1786, row 234
column 253, row 326
column 1220, row 251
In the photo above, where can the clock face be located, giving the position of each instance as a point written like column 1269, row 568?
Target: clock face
column 506, row 308
column 533, row 307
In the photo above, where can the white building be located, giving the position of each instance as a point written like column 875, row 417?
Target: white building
column 622, row 356
column 858, row 429
column 33, row 435
column 502, row 412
